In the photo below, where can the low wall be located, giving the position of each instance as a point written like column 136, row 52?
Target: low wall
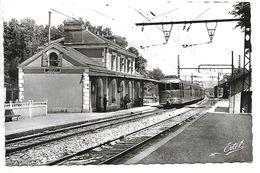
column 150, row 100
column 234, row 103
column 28, row 109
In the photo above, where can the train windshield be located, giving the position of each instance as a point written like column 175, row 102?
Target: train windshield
column 175, row 86
column 169, row 86
column 161, row 86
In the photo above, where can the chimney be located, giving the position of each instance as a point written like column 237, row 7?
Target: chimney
column 73, row 32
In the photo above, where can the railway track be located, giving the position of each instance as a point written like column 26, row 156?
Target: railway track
column 46, row 149
column 113, row 150
column 18, row 144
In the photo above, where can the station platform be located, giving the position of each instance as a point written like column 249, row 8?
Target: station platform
column 53, row 121
column 214, row 138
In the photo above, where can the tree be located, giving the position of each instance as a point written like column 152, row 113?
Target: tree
column 121, row 41
column 21, row 41
column 156, row 73
column 151, row 89
column 29, row 40
column 242, row 10
column 140, row 61
column 133, row 50
column 13, row 49
column 57, row 32
column 12, row 40
column 107, row 33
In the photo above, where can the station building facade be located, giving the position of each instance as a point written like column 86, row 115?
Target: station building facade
column 74, row 73
column 240, row 101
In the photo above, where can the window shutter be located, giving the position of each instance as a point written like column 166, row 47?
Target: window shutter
column 60, row 59
column 44, row 60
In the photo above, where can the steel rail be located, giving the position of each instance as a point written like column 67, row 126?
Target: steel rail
column 124, row 119
column 142, row 143
column 175, row 127
column 82, row 124
column 61, row 160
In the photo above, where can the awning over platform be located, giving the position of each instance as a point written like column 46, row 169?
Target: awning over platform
column 114, row 74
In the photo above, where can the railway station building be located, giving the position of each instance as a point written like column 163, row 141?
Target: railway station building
column 74, row 73
column 240, row 101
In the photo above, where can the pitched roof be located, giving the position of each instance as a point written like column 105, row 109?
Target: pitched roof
column 90, row 38
column 82, row 59
column 116, row 45
column 76, row 55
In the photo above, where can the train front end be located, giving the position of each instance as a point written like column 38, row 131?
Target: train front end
column 169, row 92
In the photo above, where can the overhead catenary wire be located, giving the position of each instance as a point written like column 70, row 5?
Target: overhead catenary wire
column 138, row 11
column 197, row 18
column 111, row 18
column 71, row 17
column 164, row 13
column 188, row 28
column 103, row 14
column 150, row 20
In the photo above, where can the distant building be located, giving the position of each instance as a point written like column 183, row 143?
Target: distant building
column 75, row 72
column 240, row 101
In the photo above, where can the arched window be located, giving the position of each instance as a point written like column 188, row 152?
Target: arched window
column 53, row 59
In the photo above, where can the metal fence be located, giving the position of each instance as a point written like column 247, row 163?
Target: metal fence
column 27, row 109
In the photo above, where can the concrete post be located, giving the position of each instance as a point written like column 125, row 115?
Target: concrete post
column 118, row 63
column 133, row 65
column 30, row 108
column 21, row 84
column 86, row 92
column 107, row 60
column 142, row 93
column 90, row 102
column 46, row 108
column 11, row 104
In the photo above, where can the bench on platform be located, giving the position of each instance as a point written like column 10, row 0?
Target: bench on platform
column 10, row 115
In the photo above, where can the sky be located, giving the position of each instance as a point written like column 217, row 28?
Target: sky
column 121, row 16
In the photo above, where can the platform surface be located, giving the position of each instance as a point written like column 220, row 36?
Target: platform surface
column 59, row 119
column 214, row 138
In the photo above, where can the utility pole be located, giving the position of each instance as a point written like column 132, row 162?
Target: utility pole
column 239, row 62
column 218, row 86
column 178, row 66
column 246, row 93
column 49, row 28
column 232, row 63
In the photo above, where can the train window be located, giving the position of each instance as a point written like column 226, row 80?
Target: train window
column 168, row 86
column 182, row 86
column 175, row 86
column 161, row 86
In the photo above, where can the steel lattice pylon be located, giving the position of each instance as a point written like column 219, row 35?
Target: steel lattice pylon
column 247, row 59
column 246, row 98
